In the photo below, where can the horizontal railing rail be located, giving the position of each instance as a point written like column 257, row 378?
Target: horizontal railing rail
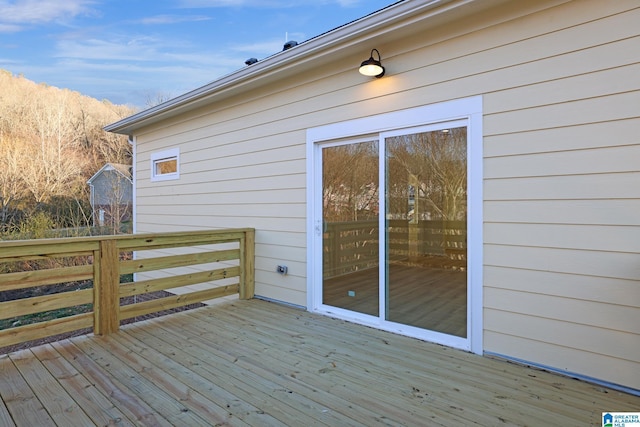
column 351, row 246
column 56, row 286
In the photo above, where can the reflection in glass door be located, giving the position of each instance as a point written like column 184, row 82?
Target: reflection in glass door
column 426, row 230
column 350, row 215
column 423, row 244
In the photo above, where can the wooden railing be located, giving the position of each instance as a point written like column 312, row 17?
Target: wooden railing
column 352, row 246
column 85, row 278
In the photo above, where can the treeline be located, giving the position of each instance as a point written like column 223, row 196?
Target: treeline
column 51, row 143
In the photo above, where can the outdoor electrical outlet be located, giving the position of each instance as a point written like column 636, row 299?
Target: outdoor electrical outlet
column 282, row 269
column 351, row 293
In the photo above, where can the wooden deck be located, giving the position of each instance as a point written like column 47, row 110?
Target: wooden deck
column 420, row 296
column 259, row 363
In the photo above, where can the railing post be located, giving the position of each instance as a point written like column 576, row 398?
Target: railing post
column 334, row 232
column 106, row 304
column 247, row 265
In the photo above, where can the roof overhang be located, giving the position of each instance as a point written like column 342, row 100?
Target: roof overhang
column 111, row 167
column 393, row 22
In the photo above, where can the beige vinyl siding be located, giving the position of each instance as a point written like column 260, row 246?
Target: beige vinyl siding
column 562, row 206
column 588, row 135
column 565, row 211
column 562, row 202
column 563, row 285
column 231, row 179
column 587, row 161
column 561, row 98
column 560, row 236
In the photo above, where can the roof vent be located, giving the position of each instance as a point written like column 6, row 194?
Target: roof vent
column 288, row 45
column 251, row 61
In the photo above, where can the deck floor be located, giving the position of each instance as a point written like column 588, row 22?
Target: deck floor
column 420, row 296
column 260, row 364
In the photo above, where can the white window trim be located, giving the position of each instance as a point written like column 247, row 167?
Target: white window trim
column 173, row 153
column 469, row 109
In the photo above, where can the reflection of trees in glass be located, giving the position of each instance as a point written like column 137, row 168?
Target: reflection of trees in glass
column 350, row 182
column 166, row 166
column 427, row 175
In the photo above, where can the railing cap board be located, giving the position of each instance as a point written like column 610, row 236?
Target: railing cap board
column 76, row 245
column 45, row 248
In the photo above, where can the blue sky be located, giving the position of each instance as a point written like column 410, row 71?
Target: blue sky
column 134, row 51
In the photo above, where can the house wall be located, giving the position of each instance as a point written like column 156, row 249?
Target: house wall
column 561, row 92
column 110, row 187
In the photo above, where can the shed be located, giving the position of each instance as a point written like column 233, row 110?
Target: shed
column 111, row 195
column 483, row 194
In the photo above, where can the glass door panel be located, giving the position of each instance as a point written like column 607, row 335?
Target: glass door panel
column 426, row 230
column 350, row 215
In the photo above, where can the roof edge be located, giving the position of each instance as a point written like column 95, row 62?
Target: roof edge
column 112, row 166
column 368, row 24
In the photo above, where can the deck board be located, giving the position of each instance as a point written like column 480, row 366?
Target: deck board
column 19, row 399
column 260, row 357
column 253, row 378
column 255, row 363
column 61, row 406
column 97, row 406
column 198, row 381
column 131, row 405
column 5, row 417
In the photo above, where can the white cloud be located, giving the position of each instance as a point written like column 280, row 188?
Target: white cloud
column 219, row 3
column 143, row 53
column 23, row 12
column 172, row 19
column 137, row 80
column 7, row 61
column 9, row 28
column 348, row 3
column 95, row 49
column 264, row 3
column 267, row 47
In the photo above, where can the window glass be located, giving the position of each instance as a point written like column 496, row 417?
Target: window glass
column 165, row 165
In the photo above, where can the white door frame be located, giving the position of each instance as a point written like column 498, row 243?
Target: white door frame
column 468, row 110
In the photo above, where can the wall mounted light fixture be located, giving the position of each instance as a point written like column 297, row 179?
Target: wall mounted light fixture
column 372, row 67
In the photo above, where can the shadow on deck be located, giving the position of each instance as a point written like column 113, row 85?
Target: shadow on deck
column 259, row 363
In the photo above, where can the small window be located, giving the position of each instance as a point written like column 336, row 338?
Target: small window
column 165, row 165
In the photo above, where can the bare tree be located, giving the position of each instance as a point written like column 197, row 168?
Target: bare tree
column 11, row 184
column 51, row 141
column 105, row 147
column 50, row 172
column 350, row 181
column 157, row 98
column 432, row 165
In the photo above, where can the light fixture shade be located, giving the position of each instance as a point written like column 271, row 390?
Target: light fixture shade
column 372, row 67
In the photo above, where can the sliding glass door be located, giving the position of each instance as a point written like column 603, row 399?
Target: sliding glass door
column 350, row 216
column 426, row 230
column 409, row 265
column 395, row 232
